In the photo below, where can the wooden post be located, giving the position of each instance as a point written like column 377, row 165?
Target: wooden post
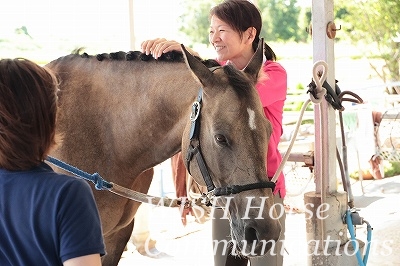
column 327, row 239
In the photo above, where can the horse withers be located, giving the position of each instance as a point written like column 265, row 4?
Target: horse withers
column 123, row 113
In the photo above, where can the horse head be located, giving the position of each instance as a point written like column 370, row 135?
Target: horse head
column 234, row 133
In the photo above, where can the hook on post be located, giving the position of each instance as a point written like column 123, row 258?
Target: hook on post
column 331, row 29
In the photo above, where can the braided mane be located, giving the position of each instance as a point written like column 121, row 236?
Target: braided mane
column 172, row 56
column 235, row 78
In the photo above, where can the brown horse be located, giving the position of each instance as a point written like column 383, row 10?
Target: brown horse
column 123, row 113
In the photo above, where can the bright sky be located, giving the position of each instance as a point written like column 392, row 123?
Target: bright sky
column 97, row 25
column 86, row 22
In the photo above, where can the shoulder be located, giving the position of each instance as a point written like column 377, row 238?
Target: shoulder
column 59, row 183
column 273, row 66
column 273, row 74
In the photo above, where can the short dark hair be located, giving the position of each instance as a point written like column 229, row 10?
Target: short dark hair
column 28, row 109
column 241, row 15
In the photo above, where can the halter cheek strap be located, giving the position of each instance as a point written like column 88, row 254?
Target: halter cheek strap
column 194, row 145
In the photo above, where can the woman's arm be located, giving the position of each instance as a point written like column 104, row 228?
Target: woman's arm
column 88, row 260
column 159, row 46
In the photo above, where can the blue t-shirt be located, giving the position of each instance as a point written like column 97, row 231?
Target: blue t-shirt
column 46, row 218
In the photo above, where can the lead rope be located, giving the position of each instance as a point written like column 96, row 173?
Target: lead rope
column 317, row 98
column 292, row 140
column 101, row 184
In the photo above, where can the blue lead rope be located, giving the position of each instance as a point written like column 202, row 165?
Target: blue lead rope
column 99, row 182
column 350, row 225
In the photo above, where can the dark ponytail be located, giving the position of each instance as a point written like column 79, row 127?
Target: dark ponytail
column 268, row 52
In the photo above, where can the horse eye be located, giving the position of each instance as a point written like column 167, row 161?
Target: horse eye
column 221, row 139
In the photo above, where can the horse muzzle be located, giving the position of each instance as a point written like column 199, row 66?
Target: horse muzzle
column 255, row 231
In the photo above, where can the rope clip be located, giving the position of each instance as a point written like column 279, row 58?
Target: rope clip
column 206, row 198
column 355, row 217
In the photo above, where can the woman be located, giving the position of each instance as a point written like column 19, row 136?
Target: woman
column 45, row 218
column 235, row 27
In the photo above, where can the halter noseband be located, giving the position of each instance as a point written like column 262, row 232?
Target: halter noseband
column 194, row 150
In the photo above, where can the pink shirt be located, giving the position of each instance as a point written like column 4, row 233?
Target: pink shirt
column 272, row 92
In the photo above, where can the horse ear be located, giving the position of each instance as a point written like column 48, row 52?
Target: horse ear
column 253, row 67
column 200, row 71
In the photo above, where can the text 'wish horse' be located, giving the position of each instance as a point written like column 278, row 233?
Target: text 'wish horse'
column 123, row 113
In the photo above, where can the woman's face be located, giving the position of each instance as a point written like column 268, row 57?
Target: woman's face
column 228, row 43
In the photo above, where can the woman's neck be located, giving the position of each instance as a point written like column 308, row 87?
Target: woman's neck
column 243, row 59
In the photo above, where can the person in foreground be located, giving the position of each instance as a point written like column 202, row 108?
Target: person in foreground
column 235, row 27
column 45, row 218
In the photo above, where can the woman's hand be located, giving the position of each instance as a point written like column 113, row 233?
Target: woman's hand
column 159, row 46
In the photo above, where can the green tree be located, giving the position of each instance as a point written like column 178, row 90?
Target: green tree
column 374, row 26
column 281, row 20
column 195, row 20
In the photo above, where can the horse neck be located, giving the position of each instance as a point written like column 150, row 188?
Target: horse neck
column 123, row 111
column 160, row 106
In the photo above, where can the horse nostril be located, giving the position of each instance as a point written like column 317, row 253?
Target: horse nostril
column 250, row 235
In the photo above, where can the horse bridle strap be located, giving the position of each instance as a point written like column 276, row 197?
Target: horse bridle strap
column 194, row 146
column 194, row 150
column 222, row 191
column 235, row 189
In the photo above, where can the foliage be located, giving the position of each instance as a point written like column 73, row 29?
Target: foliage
column 293, row 104
column 282, row 20
column 389, row 168
column 195, row 20
column 374, row 24
column 393, row 169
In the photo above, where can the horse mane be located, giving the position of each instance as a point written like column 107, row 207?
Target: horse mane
column 172, row 56
column 236, row 80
